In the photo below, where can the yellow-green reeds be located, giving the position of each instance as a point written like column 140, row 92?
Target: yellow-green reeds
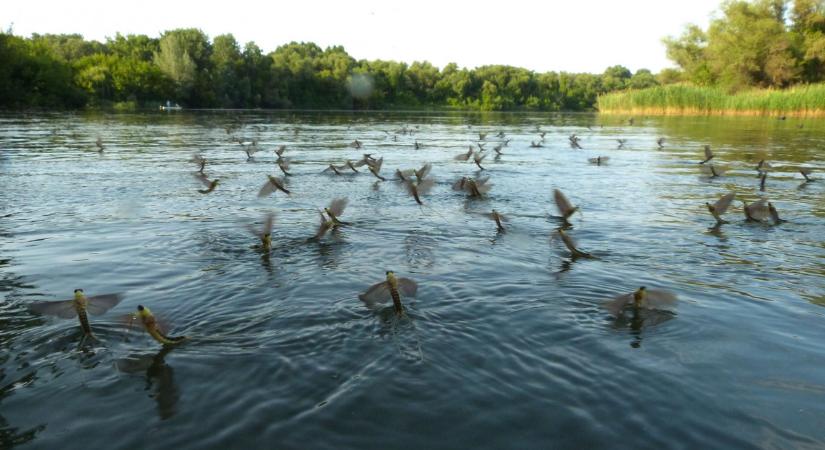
column 683, row 99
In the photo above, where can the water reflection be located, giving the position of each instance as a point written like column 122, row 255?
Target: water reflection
column 401, row 331
column 716, row 230
column 498, row 236
column 160, row 379
column 12, row 436
column 639, row 320
column 329, row 249
column 804, row 185
column 565, row 266
column 266, row 260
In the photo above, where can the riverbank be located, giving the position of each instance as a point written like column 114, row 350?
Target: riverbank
column 678, row 99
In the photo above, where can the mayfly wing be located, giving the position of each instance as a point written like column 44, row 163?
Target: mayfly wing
column 564, row 205
column 269, row 223
column 459, row 185
column 759, row 210
column 64, row 308
column 723, row 203
column 568, row 242
column 425, row 186
column 482, row 186
column 202, row 178
column 617, row 304
column 266, row 189
column 323, row 227
column 337, row 206
column 424, row 171
column 99, row 304
column 377, row 293
column 377, row 164
column 407, row 287
column 655, row 298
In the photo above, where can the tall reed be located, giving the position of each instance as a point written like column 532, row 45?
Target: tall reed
column 800, row 100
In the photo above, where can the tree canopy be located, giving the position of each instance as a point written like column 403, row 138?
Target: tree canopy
column 762, row 43
column 185, row 66
column 752, row 43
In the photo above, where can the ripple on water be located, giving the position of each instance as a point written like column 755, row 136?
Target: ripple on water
column 506, row 343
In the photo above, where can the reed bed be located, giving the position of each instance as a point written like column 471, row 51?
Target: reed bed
column 681, row 99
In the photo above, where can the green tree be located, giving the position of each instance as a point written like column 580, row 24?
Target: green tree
column 670, row 76
column 93, row 74
column 422, row 78
column 750, row 45
column 184, row 57
column 549, row 92
column 293, row 67
column 68, row 71
column 615, row 78
column 227, row 67
column 256, row 80
column 134, row 76
column 138, row 47
column 67, row 47
column 756, row 43
column 33, row 74
column 455, row 86
column 642, row 79
column 689, row 52
column 809, row 31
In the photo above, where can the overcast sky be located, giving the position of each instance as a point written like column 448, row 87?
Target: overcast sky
column 573, row 36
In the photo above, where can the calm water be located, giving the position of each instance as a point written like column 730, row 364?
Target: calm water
column 505, row 346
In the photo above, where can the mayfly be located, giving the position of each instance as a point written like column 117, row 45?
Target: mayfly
column 719, row 208
column 566, row 209
column 478, row 157
column 392, row 288
column 375, row 167
column 475, row 187
column 465, row 156
column 708, row 154
column 150, row 324
column 283, row 164
column 271, row 185
column 198, row 159
column 265, row 233
column 335, row 209
column 571, row 245
column 419, row 188
column 642, row 298
column 78, row 306
column 209, row 184
column 757, row 211
column 499, row 219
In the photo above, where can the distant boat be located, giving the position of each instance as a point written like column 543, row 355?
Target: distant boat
column 169, row 106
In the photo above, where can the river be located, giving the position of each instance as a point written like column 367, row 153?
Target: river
column 506, row 343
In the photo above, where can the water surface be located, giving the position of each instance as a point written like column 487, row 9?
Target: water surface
column 505, row 345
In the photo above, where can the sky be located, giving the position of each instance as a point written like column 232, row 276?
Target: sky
column 540, row 35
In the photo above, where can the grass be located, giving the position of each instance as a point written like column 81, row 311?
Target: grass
column 682, row 99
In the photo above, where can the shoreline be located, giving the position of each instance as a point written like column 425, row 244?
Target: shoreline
column 672, row 111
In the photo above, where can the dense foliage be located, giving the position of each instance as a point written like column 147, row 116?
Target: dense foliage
column 763, row 43
column 186, row 67
column 752, row 43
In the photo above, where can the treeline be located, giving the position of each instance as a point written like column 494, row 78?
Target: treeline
column 185, row 66
column 761, row 43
